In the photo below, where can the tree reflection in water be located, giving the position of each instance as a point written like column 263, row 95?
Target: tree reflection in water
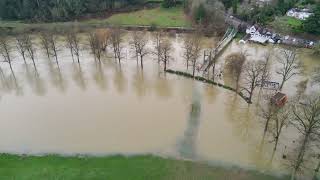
column 187, row 146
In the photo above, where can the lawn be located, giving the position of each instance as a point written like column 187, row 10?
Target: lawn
column 144, row 167
column 163, row 17
column 286, row 24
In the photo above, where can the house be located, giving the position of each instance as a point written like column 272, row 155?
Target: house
column 262, row 3
column 301, row 14
column 259, row 35
column 279, row 99
column 251, row 30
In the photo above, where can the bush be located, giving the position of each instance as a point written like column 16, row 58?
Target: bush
column 168, row 3
column 200, row 78
column 153, row 27
column 200, row 13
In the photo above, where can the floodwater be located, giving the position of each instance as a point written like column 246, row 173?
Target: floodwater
column 100, row 109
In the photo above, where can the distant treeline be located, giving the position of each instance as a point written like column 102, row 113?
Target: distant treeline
column 57, row 10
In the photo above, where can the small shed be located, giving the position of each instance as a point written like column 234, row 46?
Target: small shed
column 279, row 99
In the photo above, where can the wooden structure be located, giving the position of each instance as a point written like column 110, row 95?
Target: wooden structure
column 279, row 99
column 214, row 53
column 269, row 85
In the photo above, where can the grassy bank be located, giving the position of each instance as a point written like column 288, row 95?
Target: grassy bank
column 286, row 24
column 162, row 17
column 144, row 167
column 159, row 17
column 200, row 78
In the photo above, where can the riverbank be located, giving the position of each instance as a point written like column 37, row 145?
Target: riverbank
column 117, row 167
column 149, row 19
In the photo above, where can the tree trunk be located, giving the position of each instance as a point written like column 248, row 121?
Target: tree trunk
column 165, row 65
column 72, row 55
column 56, row 57
column 10, row 66
column 316, row 171
column 282, row 83
column 274, row 149
column 265, row 132
column 299, row 160
column 78, row 58
column 193, row 68
column 24, row 58
column 141, row 62
column 187, row 64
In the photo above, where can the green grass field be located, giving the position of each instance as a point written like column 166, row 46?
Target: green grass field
column 163, row 17
column 144, row 167
column 286, row 24
column 160, row 17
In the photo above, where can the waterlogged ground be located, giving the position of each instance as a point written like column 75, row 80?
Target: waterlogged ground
column 100, row 109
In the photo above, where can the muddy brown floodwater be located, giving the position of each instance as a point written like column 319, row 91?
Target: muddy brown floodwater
column 98, row 108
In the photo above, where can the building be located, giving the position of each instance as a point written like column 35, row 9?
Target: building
column 258, row 34
column 301, row 14
column 279, row 99
column 262, row 3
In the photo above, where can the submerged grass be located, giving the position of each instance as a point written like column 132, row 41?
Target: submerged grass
column 142, row 167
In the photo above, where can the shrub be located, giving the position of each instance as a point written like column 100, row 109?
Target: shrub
column 200, row 13
column 168, row 3
column 153, row 27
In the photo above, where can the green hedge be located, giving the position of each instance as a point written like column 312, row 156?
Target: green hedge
column 208, row 81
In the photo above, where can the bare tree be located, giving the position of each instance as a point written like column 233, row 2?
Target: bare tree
column 192, row 47
column 69, row 44
column 103, row 37
column 301, row 87
column 139, row 42
column 252, row 76
column 5, row 50
column 165, row 50
column 96, row 48
column 289, row 65
column 31, row 50
column 53, row 45
column 307, row 121
column 158, row 40
column 280, row 120
column 235, row 64
column 267, row 112
column 316, row 75
column 265, row 68
column 316, row 170
column 187, row 49
column 76, row 45
column 116, row 42
column 195, row 52
column 45, row 44
column 93, row 43
column 21, row 46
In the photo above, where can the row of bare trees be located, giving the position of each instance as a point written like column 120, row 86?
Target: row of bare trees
column 304, row 115
column 248, row 75
column 99, row 42
column 191, row 50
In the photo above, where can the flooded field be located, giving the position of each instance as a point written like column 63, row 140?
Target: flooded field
column 100, row 108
